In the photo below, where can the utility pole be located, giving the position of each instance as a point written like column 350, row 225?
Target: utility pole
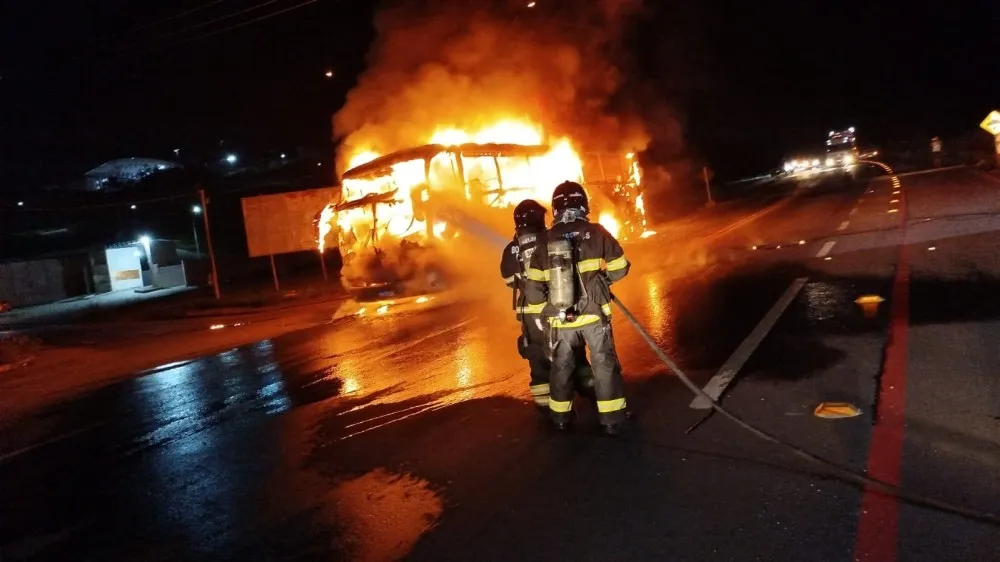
column 208, row 242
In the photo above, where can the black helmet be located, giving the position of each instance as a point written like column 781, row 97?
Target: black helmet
column 529, row 215
column 569, row 195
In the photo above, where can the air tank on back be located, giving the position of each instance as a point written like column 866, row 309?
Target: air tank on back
column 562, row 282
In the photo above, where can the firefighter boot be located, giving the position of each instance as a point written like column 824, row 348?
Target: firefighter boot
column 613, row 429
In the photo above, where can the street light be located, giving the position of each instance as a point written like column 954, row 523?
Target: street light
column 195, row 212
column 231, row 158
column 133, row 207
column 20, row 203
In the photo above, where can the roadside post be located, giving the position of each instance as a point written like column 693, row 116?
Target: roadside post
column 708, row 186
column 322, row 265
column 274, row 274
column 936, row 151
column 992, row 125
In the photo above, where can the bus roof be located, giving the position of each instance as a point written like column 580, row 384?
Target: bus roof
column 382, row 166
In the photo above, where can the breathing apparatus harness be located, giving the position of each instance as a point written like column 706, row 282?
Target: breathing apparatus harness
column 566, row 289
column 524, row 241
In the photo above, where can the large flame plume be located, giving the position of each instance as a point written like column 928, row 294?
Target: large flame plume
column 470, row 65
column 482, row 71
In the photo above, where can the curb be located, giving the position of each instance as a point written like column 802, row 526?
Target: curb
column 162, row 321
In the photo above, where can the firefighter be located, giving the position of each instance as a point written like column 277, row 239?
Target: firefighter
column 533, row 343
column 578, row 305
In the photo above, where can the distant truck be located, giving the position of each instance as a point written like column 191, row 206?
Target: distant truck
column 841, row 149
column 841, row 154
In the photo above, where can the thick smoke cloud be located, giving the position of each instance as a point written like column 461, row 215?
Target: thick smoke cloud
column 466, row 63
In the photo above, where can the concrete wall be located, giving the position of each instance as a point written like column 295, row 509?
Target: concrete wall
column 32, row 282
column 102, row 281
column 197, row 273
column 171, row 276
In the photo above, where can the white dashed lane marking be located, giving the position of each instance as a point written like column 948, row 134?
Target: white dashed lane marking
column 826, row 249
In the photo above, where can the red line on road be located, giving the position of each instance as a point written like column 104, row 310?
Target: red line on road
column 877, row 538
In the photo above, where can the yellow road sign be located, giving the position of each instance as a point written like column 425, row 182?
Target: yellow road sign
column 992, row 123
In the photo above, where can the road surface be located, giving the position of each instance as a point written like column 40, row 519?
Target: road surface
column 411, row 434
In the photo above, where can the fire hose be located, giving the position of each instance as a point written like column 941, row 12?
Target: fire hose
column 845, row 473
column 842, row 471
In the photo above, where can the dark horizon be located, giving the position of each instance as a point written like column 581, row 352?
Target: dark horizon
column 749, row 85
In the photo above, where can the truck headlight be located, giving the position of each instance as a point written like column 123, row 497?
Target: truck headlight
column 829, row 162
column 848, row 160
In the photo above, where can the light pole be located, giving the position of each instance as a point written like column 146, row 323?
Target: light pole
column 146, row 242
column 195, row 213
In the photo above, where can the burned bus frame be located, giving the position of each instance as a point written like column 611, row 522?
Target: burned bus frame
column 382, row 167
column 618, row 187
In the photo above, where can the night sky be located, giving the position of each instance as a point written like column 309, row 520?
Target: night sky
column 750, row 82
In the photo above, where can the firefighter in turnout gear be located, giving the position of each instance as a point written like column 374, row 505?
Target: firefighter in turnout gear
column 568, row 275
column 533, row 343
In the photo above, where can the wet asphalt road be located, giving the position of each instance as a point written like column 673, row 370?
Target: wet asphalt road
column 411, row 433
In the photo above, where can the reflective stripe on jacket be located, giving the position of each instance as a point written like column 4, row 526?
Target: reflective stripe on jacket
column 511, row 270
column 593, row 245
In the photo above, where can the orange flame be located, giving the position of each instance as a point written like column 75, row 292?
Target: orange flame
column 325, row 226
column 610, row 223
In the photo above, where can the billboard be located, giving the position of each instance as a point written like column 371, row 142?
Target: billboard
column 284, row 222
column 124, row 268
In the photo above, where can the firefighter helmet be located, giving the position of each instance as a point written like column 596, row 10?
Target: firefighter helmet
column 569, row 195
column 529, row 215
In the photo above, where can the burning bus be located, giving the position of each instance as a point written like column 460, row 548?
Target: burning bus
column 400, row 214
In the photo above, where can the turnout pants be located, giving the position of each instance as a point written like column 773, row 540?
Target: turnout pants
column 533, row 345
column 608, row 385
